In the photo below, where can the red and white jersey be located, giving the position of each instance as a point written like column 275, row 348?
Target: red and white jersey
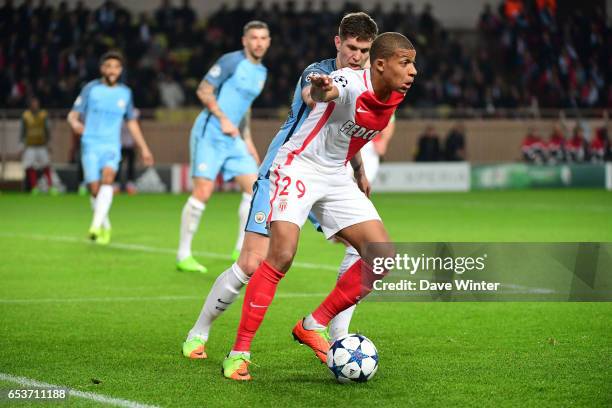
column 335, row 131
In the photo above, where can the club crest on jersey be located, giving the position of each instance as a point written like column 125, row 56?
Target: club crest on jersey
column 121, row 103
column 260, row 217
column 351, row 129
column 282, row 204
column 215, row 71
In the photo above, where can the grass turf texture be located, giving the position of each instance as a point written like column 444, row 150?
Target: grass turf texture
column 431, row 354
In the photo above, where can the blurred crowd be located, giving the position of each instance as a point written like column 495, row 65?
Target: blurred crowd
column 524, row 54
column 565, row 144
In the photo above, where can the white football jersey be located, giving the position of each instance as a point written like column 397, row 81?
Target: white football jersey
column 335, row 131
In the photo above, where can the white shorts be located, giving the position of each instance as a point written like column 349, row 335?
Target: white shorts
column 334, row 198
column 371, row 162
column 36, row 157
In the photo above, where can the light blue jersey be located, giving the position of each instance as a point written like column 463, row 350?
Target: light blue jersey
column 103, row 109
column 237, row 83
column 260, row 204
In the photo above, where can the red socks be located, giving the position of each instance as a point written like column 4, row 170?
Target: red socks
column 32, row 177
column 259, row 294
column 354, row 285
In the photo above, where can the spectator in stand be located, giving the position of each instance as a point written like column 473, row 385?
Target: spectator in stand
column 170, row 92
column 526, row 51
column 454, row 146
column 555, row 147
column 599, row 148
column 576, row 147
column 532, row 147
column 429, row 146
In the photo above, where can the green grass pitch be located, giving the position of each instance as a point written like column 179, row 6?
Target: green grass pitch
column 125, row 310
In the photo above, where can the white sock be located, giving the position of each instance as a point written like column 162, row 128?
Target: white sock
column 106, row 222
column 103, row 204
column 234, row 352
column 243, row 214
column 223, row 293
column 190, row 219
column 310, row 323
column 339, row 325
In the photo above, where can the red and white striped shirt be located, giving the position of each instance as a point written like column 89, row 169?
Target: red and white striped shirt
column 335, row 131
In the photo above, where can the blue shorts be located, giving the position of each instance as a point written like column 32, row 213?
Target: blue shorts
column 96, row 157
column 260, row 209
column 213, row 152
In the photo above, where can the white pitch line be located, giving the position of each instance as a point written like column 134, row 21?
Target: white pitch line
column 528, row 289
column 103, row 399
column 140, row 299
column 497, row 205
column 146, row 248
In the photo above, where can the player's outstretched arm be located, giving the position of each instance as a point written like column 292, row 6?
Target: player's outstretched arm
column 134, row 128
column 322, row 88
column 74, row 120
column 360, row 176
column 206, row 94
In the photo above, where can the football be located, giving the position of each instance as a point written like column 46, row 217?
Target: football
column 353, row 358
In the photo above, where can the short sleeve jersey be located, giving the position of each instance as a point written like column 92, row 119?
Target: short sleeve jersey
column 335, row 131
column 298, row 113
column 237, row 83
column 104, row 108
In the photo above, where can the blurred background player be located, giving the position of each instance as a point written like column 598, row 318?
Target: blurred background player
column 355, row 35
column 35, row 136
column 308, row 174
column 104, row 104
column 227, row 92
column 127, row 165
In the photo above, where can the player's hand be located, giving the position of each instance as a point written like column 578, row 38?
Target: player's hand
column 380, row 147
column 362, row 182
column 228, row 128
column 147, row 157
column 323, row 82
column 77, row 127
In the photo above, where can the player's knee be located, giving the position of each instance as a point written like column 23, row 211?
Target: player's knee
column 376, row 254
column 108, row 177
column 249, row 262
column 201, row 192
column 281, row 260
